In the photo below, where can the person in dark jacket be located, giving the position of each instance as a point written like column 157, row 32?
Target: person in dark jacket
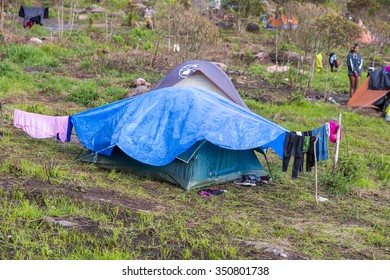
column 355, row 67
column 333, row 61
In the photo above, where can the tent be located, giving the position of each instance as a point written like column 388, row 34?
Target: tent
column 33, row 14
column 185, row 135
column 282, row 21
column 202, row 74
column 372, row 92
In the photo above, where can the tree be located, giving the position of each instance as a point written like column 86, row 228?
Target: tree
column 305, row 36
column 335, row 31
column 381, row 31
column 368, row 8
column 192, row 32
column 113, row 5
column 244, row 8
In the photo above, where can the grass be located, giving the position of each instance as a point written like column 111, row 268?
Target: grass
column 55, row 207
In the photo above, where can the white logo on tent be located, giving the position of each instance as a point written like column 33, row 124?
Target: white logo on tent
column 187, row 70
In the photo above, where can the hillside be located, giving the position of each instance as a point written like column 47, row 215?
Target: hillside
column 54, row 206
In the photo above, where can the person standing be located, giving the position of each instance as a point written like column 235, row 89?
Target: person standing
column 355, row 67
column 333, row 61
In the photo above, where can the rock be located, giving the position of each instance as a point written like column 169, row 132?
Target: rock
column 243, row 56
column 228, row 17
column 80, row 11
column 273, row 69
column 252, row 27
column 139, row 82
column 82, row 17
column 225, row 25
column 137, row 91
column 64, row 223
column 262, row 56
column 97, row 9
column 221, row 65
column 35, row 40
column 118, row 14
column 149, row 13
column 267, row 247
column 292, row 56
column 141, row 8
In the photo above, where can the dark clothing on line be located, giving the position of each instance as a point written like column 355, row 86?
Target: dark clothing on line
column 293, row 147
column 36, row 13
column 310, row 158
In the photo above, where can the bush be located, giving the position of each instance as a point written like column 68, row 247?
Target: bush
column 79, row 37
column 114, row 93
column 118, row 40
column 85, row 94
column 350, row 170
column 9, row 69
column 30, row 56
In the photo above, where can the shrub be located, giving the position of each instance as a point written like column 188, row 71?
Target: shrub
column 9, row 69
column 85, row 94
column 30, row 56
column 118, row 40
column 114, row 93
column 350, row 169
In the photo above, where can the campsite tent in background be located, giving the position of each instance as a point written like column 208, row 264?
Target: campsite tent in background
column 281, row 21
column 202, row 74
column 36, row 14
column 188, row 136
column 372, row 92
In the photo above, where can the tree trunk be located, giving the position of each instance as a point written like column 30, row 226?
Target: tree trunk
column 72, row 16
column 276, row 54
column 2, row 16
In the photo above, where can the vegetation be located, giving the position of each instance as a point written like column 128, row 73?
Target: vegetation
column 53, row 206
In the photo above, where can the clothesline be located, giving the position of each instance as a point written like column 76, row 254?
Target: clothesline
column 40, row 126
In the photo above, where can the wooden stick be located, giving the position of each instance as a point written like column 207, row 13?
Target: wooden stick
column 336, row 155
column 315, row 167
column 2, row 16
column 2, row 123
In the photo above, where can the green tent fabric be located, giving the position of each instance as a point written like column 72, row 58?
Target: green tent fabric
column 202, row 165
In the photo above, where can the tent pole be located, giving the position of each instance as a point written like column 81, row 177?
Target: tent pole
column 336, row 155
column 269, row 167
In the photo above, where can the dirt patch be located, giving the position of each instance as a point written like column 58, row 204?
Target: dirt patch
column 37, row 188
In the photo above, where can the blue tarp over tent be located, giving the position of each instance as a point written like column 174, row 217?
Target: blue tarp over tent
column 156, row 127
column 380, row 79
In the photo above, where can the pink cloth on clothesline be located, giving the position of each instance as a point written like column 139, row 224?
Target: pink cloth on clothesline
column 41, row 126
column 334, row 127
